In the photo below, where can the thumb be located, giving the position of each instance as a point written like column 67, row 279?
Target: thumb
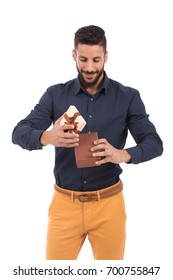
column 58, row 121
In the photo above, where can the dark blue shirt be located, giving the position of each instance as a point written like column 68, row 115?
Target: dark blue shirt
column 112, row 112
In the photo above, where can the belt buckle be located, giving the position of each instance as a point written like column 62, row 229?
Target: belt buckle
column 85, row 197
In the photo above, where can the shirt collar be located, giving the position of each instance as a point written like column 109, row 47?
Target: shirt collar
column 103, row 89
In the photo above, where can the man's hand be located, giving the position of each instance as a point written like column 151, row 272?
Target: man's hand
column 59, row 136
column 109, row 153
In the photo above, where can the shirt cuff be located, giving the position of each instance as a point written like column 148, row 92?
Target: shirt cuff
column 35, row 143
column 136, row 155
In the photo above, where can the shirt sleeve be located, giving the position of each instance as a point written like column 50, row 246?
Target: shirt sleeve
column 28, row 131
column 149, row 144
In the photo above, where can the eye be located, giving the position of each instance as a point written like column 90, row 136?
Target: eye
column 97, row 59
column 83, row 59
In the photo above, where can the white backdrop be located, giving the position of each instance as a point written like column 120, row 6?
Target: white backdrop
column 36, row 44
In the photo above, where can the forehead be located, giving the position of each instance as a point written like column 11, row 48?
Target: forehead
column 90, row 51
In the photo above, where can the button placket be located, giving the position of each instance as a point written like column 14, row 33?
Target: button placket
column 90, row 112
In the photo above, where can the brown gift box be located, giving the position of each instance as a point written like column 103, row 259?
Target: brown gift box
column 83, row 152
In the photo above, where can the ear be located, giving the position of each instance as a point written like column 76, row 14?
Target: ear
column 74, row 55
column 106, row 56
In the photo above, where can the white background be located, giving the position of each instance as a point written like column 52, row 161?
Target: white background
column 35, row 52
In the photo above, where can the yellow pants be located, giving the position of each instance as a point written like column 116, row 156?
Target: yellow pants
column 70, row 221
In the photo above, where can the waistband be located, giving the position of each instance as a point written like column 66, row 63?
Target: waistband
column 92, row 195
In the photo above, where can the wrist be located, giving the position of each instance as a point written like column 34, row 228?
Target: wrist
column 44, row 138
column 127, row 157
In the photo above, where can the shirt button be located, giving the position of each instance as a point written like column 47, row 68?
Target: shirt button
column 91, row 99
column 84, row 182
column 90, row 116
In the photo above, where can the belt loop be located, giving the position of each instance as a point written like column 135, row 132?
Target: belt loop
column 98, row 195
column 72, row 196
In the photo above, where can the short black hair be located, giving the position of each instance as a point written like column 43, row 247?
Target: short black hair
column 90, row 35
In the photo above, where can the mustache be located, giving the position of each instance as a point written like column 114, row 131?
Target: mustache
column 89, row 72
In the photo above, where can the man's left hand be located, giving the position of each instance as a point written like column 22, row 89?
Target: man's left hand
column 108, row 153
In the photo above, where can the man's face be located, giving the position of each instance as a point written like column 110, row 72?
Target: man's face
column 90, row 62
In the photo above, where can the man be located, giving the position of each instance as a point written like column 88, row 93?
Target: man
column 110, row 109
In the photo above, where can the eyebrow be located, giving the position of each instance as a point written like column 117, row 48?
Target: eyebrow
column 84, row 57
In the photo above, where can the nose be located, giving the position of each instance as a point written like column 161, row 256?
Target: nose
column 89, row 66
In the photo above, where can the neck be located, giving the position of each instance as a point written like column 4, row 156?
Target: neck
column 92, row 90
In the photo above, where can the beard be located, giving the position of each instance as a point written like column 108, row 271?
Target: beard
column 87, row 84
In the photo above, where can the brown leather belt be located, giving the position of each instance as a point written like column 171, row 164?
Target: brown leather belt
column 93, row 195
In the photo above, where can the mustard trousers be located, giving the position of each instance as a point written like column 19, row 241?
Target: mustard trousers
column 71, row 221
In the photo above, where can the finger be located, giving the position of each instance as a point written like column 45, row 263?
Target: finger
column 100, row 154
column 57, row 122
column 102, row 161
column 100, row 141
column 67, row 127
column 68, row 145
column 70, row 135
column 99, row 147
column 67, row 141
column 66, row 131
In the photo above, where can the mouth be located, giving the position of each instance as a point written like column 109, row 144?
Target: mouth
column 89, row 76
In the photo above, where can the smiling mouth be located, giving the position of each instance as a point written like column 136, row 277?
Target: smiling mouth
column 89, row 75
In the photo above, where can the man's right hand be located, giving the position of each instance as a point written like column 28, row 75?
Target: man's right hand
column 59, row 136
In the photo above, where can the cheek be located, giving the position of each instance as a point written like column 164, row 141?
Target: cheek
column 80, row 65
column 101, row 65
